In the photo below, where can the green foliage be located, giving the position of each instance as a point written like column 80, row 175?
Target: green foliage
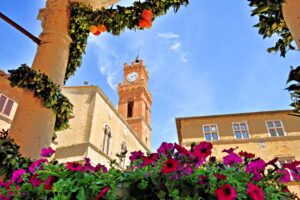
column 271, row 22
column 294, row 89
column 10, row 158
column 115, row 20
column 46, row 90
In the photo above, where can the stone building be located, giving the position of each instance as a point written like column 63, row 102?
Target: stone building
column 98, row 130
column 268, row 134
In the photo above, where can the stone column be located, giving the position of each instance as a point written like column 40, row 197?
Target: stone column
column 291, row 14
column 33, row 124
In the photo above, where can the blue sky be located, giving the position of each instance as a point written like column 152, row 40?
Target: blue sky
column 206, row 59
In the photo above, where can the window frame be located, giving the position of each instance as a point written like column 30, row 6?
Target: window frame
column 239, row 123
column 107, row 140
column 2, row 111
column 203, row 131
column 282, row 127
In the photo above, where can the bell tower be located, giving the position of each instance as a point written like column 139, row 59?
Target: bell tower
column 135, row 99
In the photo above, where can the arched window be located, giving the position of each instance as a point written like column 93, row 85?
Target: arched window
column 123, row 153
column 106, row 139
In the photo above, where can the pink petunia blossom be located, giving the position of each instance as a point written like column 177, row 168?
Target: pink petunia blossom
column 136, row 155
column 256, row 167
column 255, row 192
column 35, row 181
column 17, row 175
column 36, row 165
column 165, row 148
column 47, row 152
column 74, row 166
column 232, row 158
column 202, row 150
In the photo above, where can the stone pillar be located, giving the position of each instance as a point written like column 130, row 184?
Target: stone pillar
column 33, row 124
column 291, row 14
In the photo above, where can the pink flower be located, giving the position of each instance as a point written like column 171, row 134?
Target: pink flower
column 202, row 150
column 182, row 151
column 150, row 159
column 229, row 151
column 5, row 185
column 256, row 167
column 36, row 165
column 34, row 181
column 285, row 176
column 292, row 165
column 102, row 167
column 220, row 176
column 169, row 166
column 16, row 176
column 255, row 192
column 226, row 192
column 165, row 148
column 47, row 152
column 231, row 159
column 136, row 155
column 74, row 166
column 49, row 182
column 102, row 193
column 246, row 154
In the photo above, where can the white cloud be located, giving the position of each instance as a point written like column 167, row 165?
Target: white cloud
column 107, row 60
column 175, row 46
column 169, row 35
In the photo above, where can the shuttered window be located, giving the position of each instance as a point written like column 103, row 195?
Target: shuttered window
column 6, row 105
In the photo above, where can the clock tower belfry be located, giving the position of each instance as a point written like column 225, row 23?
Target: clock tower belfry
column 135, row 99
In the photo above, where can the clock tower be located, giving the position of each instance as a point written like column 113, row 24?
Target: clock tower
column 135, row 99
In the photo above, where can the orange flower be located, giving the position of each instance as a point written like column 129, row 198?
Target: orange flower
column 147, row 15
column 95, row 30
column 145, row 23
column 102, row 28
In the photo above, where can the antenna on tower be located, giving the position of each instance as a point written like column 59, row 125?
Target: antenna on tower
column 137, row 59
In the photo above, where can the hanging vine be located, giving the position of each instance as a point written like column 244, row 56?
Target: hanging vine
column 113, row 20
column 46, row 90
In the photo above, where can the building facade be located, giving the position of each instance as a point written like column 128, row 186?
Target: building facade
column 97, row 130
column 268, row 134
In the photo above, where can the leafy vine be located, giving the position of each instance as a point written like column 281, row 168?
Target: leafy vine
column 46, row 90
column 271, row 22
column 294, row 89
column 115, row 21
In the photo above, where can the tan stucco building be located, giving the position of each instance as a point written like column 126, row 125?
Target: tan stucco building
column 98, row 130
column 268, row 134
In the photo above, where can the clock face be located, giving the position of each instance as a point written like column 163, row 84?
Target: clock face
column 132, row 76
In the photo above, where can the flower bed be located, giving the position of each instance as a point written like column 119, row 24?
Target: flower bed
column 173, row 172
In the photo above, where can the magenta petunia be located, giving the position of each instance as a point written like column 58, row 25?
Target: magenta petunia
column 165, row 148
column 220, row 176
column 284, row 176
column 100, row 167
column 102, row 193
column 230, row 150
column 74, row 166
column 5, row 185
column 49, row 182
column 232, row 158
column 169, row 166
column 37, row 165
column 255, row 192
column 47, row 152
column 150, row 159
column 202, row 150
column 136, row 155
column 256, row 167
column 17, row 176
column 226, row 192
column 182, row 151
column 35, row 181
column 246, row 154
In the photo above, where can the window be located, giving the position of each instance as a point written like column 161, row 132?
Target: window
column 123, row 153
column 275, row 128
column 106, row 139
column 130, row 109
column 210, row 132
column 240, row 130
column 6, row 105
